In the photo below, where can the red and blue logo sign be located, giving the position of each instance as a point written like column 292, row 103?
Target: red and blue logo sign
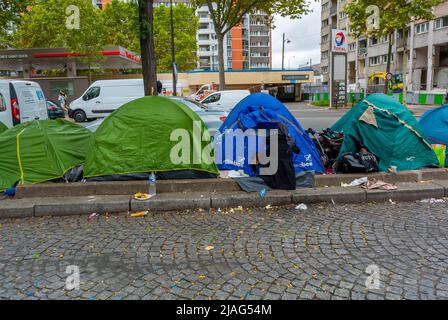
column 339, row 39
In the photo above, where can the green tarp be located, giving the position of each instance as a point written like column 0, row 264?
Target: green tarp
column 41, row 150
column 3, row 127
column 389, row 130
column 141, row 135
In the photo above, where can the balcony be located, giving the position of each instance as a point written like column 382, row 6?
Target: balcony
column 333, row 10
column 362, row 52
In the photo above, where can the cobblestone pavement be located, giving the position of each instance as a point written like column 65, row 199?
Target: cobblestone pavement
column 282, row 253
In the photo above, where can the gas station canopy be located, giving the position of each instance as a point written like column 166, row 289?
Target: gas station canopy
column 24, row 60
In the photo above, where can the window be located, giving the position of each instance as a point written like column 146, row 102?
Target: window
column 92, row 93
column 325, row 23
column 324, row 69
column 352, row 46
column 374, row 61
column 325, row 38
column 422, row 28
column 441, row 22
column 373, row 41
column 212, row 98
column 324, row 54
column 326, row 6
column 342, row 15
column 385, row 58
column 2, row 103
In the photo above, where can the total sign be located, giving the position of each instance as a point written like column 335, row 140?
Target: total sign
column 339, row 41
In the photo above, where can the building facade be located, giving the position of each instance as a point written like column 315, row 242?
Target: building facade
column 427, row 59
column 247, row 46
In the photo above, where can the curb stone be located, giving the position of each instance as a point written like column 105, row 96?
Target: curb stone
column 60, row 206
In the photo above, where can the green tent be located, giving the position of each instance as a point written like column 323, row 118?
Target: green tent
column 137, row 138
column 41, row 150
column 389, row 130
column 3, row 127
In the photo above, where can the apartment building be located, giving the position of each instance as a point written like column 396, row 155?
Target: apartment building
column 427, row 43
column 247, row 46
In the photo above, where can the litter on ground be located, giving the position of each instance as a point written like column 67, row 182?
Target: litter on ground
column 302, row 206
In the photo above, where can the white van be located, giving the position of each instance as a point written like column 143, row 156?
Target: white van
column 21, row 101
column 225, row 100
column 104, row 97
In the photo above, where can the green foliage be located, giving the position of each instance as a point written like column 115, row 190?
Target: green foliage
column 393, row 15
column 121, row 23
column 45, row 25
column 9, row 18
column 122, row 28
column 229, row 13
column 185, row 28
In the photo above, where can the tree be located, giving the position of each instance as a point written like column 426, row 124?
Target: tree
column 392, row 16
column 148, row 55
column 185, row 27
column 121, row 23
column 10, row 11
column 227, row 14
column 72, row 24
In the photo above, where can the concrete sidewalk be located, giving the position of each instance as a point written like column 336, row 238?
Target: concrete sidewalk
column 51, row 199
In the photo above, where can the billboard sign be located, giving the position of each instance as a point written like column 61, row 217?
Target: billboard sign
column 339, row 41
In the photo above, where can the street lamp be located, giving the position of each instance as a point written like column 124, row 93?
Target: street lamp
column 173, row 56
column 283, row 50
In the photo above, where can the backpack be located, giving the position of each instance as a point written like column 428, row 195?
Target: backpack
column 354, row 162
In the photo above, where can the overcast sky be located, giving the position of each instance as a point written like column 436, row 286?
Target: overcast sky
column 305, row 39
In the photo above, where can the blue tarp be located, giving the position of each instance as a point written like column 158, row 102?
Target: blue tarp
column 435, row 125
column 255, row 112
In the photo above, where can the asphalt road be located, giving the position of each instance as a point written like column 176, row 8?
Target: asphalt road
column 320, row 118
column 326, row 252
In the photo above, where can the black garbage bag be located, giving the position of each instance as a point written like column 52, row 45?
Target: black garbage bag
column 285, row 177
column 74, row 175
column 354, row 162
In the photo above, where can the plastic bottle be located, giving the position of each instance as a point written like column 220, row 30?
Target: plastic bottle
column 152, row 184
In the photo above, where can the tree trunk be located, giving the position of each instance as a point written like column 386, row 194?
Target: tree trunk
column 222, row 74
column 405, row 59
column 389, row 56
column 146, row 22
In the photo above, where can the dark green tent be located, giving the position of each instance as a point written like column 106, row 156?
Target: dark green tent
column 141, row 136
column 41, row 150
column 3, row 127
column 389, row 130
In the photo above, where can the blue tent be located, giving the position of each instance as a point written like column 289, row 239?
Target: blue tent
column 257, row 111
column 435, row 125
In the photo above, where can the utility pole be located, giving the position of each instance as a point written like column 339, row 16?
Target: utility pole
column 283, row 51
column 173, row 55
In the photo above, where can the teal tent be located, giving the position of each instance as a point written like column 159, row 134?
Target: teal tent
column 389, row 130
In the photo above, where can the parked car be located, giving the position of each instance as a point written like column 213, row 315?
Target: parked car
column 21, row 101
column 212, row 119
column 224, row 100
column 105, row 96
column 55, row 110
